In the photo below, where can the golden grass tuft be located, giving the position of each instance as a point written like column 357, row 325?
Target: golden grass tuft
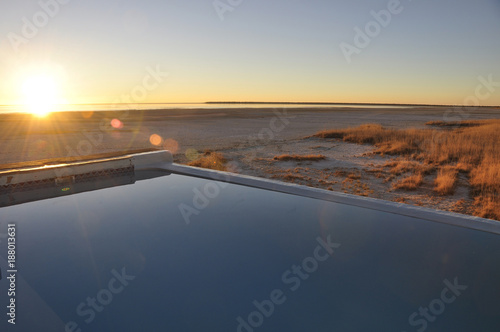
column 487, row 208
column 405, row 166
column 485, row 178
column 446, row 180
column 399, row 200
column 288, row 157
column 354, row 176
column 470, row 147
column 211, row 160
column 411, row 182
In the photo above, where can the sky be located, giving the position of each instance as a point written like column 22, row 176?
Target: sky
column 425, row 52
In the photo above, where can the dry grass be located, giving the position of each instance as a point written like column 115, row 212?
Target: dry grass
column 389, row 178
column 288, row 157
column 356, row 187
column 354, row 176
column 446, row 180
column 389, row 141
column 399, row 200
column 293, row 177
column 211, row 160
column 399, row 167
column 411, row 182
column 487, row 208
column 340, row 174
column 485, row 177
column 470, row 147
column 461, row 206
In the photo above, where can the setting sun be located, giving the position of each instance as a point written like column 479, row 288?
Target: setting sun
column 40, row 95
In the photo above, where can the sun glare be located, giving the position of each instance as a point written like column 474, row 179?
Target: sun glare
column 40, row 95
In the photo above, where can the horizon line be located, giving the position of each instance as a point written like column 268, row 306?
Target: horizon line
column 275, row 103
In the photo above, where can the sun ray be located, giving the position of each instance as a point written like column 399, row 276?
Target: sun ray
column 40, row 95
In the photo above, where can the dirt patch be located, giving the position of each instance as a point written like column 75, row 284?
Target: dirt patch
column 288, row 157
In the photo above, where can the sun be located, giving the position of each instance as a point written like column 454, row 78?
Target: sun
column 40, row 95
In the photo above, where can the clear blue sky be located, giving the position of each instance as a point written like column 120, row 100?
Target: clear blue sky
column 433, row 51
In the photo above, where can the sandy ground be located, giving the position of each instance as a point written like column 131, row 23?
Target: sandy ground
column 249, row 138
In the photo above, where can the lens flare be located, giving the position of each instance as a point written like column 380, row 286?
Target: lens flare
column 171, row 145
column 117, row 124
column 192, row 154
column 155, row 139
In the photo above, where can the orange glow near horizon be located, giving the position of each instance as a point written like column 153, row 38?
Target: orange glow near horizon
column 40, row 95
